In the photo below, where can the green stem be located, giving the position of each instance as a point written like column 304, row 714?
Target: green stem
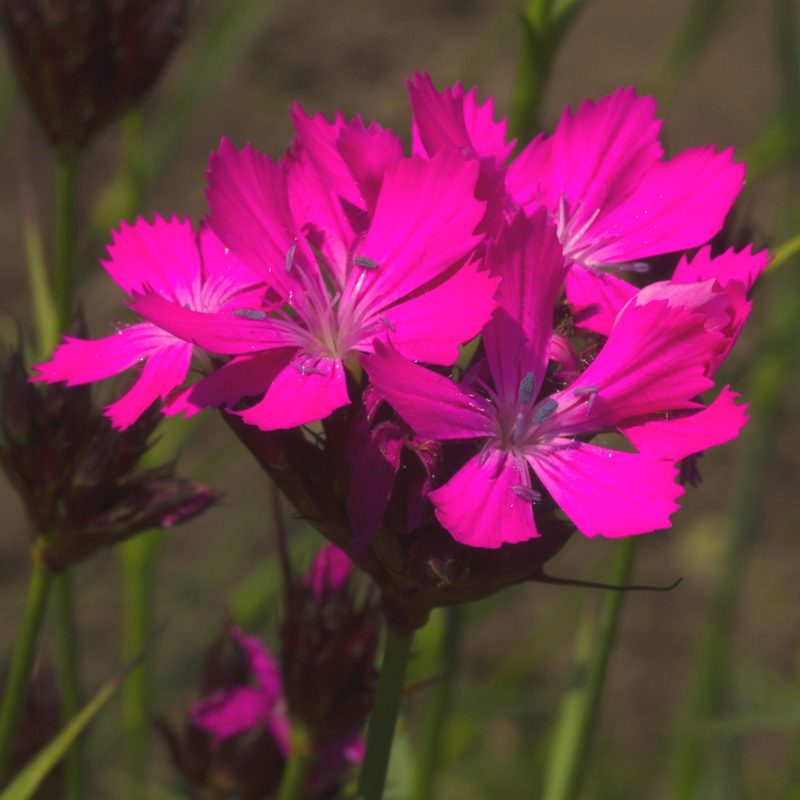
column 439, row 706
column 568, row 758
column 296, row 769
column 138, row 563
column 383, row 719
column 21, row 663
column 70, row 681
column 64, row 241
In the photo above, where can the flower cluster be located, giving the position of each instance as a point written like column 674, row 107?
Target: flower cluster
column 240, row 733
column 342, row 286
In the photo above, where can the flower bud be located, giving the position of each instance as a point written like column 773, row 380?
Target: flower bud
column 329, row 644
column 84, row 63
column 77, row 475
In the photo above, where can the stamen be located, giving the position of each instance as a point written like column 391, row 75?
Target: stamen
column 592, row 392
column 526, row 493
column 290, row 256
column 249, row 313
column 519, row 428
column 526, row 387
column 389, row 324
column 483, row 456
column 309, row 370
column 634, row 266
column 368, row 263
column 545, row 411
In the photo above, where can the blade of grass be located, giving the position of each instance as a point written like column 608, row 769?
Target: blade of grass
column 31, row 776
column 568, row 760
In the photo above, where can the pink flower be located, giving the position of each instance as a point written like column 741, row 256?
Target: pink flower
column 600, row 174
column 656, row 361
column 354, row 243
column 241, row 708
column 171, row 261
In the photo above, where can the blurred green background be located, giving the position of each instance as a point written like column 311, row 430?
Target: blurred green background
column 722, row 75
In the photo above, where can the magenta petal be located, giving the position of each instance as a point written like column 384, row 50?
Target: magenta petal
column 241, row 377
column 264, row 665
column 307, row 390
column 163, row 256
column 434, row 406
column 319, row 138
column 744, row 266
column 423, row 224
column 230, row 712
column 454, row 119
column 319, row 212
column 596, row 298
column 527, row 172
column 250, row 214
column 479, row 504
column 655, row 360
column 79, row 361
column 330, row 571
column 164, row 370
column 679, row 204
column 600, row 155
column 431, row 326
column 605, row 492
column 676, row 438
column 528, row 258
column 224, row 276
column 221, row 332
column 370, row 153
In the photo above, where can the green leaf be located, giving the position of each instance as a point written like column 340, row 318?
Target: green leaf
column 30, row 778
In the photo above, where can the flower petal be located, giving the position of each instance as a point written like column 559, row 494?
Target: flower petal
column 434, row 406
column 165, row 369
column 454, row 119
column 221, row 332
column 307, row 390
column 431, row 326
column 242, row 377
column 674, row 439
column 601, row 153
column 369, row 153
column 606, row 492
column 163, row 256
column 225, row 277
column 479, row 504
column 79, row 361
column 527, row 256
column 596, row 298
column 230, row 712
column 656, row 359
column 679, row 204
column 250, row 214
column 744, row 266
column 423, row 224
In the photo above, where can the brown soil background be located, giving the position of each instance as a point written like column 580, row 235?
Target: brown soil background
column 353, row 55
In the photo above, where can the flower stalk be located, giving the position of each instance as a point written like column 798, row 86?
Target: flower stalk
column 70, row 681
column 64, row 242
column 568, row 758
column 439, row 706
column 22, row 661
column 138, row 563
column 383, row 719
column 300, row 759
